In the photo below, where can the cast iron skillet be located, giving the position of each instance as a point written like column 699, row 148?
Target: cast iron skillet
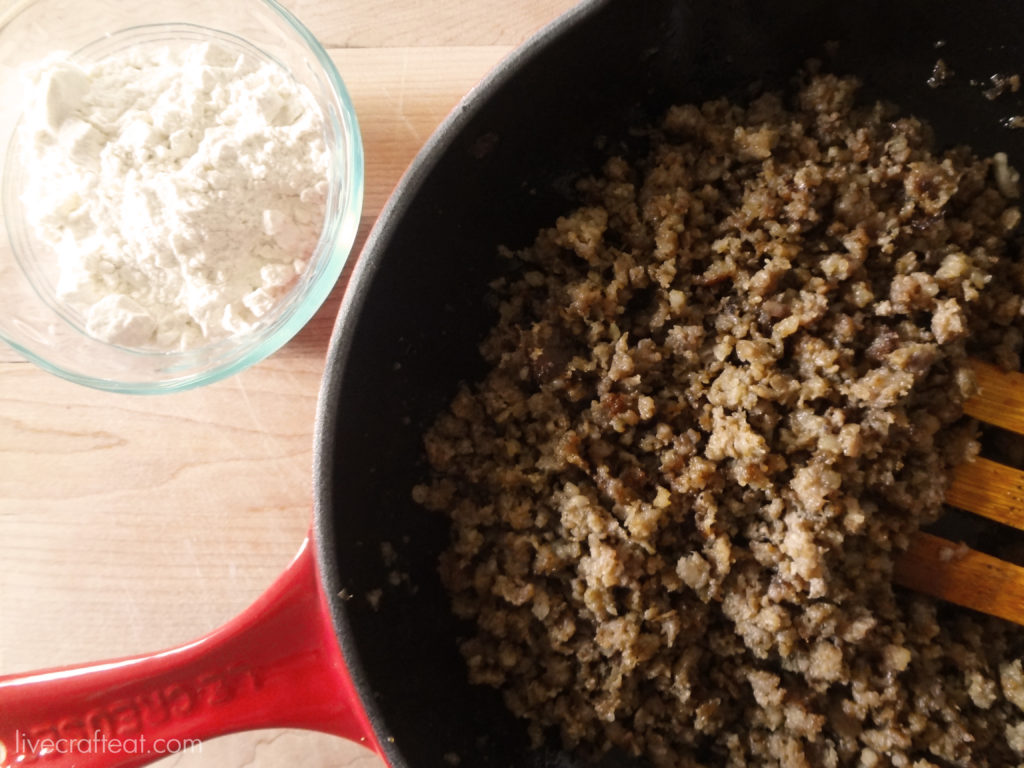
column 498, row 169
column 494, row 174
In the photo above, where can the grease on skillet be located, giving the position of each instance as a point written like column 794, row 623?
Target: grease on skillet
column 723, row 393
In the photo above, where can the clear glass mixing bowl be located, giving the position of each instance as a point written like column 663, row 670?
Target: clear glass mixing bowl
column 52, row 335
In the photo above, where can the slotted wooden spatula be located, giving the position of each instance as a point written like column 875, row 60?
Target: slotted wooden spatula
column 950, row 570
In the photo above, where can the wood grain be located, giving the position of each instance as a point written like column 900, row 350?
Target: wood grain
column 954, row 572
column 405, row 23
column 1000, row 397
column 130, row 524
column 989, row 489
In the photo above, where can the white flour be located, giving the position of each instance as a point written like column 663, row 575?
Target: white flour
column 182, row 191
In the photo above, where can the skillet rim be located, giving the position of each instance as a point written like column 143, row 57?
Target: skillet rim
column 388, row 222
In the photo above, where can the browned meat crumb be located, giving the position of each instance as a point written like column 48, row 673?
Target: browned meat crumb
column 724, row 392
column 1000, row 84
column 956, row 551
column 373, row 597
column 1007, row 178
column 941, row 74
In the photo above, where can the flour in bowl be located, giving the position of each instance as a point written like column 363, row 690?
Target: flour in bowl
column 183, row 189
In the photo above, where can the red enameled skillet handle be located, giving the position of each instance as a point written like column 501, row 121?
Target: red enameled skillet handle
column 277, row 664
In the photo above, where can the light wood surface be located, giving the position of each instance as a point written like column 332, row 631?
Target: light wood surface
column 130, row 524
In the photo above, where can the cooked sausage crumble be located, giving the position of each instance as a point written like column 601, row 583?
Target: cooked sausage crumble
column 723, row 394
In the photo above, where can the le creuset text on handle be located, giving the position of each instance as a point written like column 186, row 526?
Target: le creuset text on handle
column 277, row 664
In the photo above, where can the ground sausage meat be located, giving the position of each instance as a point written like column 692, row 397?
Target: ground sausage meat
column 723, row 393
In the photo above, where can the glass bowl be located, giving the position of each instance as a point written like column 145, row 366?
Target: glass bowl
column 53, row 334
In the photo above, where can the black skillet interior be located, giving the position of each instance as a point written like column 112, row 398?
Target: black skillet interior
column 501, row 167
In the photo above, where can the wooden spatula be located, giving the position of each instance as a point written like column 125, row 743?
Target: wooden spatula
column 952, row 571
